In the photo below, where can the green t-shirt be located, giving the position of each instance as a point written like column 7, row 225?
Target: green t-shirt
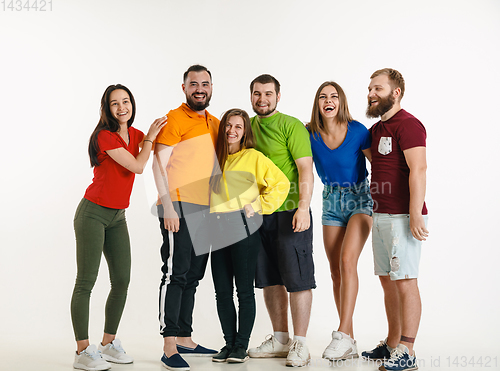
column 283, row 139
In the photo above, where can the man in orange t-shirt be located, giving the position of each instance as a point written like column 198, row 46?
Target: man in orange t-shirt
column 183, row 162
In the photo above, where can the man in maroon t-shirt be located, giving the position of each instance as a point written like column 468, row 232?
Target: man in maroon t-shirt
column 400, row 215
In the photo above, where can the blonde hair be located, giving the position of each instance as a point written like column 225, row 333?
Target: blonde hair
column 396, row 80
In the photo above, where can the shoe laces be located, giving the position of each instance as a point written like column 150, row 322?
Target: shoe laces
column 297, row 347
column 269, row 339
column 94, row 355
column 335, row 344
column 117, row 347
column 396, row 355
column 382, row 344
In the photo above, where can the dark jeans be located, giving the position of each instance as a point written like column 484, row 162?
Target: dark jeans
column 182, row 269
column 235, row 262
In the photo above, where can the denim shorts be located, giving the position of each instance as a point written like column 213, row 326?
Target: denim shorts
column 396, row 253
column 340, row 203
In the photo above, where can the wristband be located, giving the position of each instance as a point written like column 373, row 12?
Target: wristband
column 147, row 140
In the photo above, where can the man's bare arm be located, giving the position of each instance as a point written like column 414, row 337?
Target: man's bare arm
column 302, row 220
column 160, row 160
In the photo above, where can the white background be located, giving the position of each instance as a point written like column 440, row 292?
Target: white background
column 55, row 65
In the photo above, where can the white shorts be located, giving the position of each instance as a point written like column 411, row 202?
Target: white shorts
column 396, row 252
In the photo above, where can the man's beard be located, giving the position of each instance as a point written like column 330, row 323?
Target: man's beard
column 265, row 113
column 198, row 106
column 384, row 105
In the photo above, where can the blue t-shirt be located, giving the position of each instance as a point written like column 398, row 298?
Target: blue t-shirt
column 345, row 165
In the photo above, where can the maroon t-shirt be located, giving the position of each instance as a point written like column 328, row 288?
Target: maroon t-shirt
column 112, row 183
column 390, row 173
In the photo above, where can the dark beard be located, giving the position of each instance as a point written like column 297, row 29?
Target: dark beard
column 198, row 106
column 266, row 113
column 384, row 105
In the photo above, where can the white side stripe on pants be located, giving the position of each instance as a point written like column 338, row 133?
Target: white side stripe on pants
column 163, row 293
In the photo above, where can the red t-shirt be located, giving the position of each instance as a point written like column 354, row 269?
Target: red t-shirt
column 112, row 183
column 390, row 173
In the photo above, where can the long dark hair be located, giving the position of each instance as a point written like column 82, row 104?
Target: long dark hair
column 343, row 115
column 107, row 121
column 222, row 147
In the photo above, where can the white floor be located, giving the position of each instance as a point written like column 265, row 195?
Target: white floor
column 46, row 357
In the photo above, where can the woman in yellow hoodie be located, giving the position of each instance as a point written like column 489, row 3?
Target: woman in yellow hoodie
column 245, row 184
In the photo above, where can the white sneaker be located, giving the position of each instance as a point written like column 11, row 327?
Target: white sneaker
column 298, row 355
column 341, row 348
column 270, row 348
column 90, row 360
column 113, row 352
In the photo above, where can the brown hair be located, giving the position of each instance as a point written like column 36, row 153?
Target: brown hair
column 343, row 115
column 396, row 80
column 222, row 147
column 265, row 79
column 107, row 121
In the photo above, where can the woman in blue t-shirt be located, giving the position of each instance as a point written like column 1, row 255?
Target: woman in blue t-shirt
column 339, row 146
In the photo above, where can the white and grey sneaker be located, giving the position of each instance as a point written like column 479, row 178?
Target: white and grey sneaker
column 270, row 348
column 298, row 355
column 341, row 348
column 113, row 352
column 90, row 360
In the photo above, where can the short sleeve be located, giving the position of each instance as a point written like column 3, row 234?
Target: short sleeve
column 136, row 136
column 299, row 143
column 171, row 134
column 366, row 140
column 108, row 140
column 411, row 134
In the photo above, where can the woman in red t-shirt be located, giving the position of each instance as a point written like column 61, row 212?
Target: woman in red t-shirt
column 100, row 225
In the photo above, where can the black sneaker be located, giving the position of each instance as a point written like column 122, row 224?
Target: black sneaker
column 222, row 355
column 381, row 351
column 238, row 355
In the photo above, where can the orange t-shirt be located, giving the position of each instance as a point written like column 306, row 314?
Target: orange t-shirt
column 193, row 137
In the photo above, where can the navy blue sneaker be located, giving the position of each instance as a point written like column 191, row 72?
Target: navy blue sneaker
column 400, row 360
column 381, row 351
column 175, row 363
column 198, row 351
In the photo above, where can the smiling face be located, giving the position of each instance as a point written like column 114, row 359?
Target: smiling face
column 264, row 99
column 328, row 102
column 381, row 96
column 235, row 129
column 198, row 90
column 120, row 106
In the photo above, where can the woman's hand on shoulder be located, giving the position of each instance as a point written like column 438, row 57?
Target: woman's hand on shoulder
column 155, row 128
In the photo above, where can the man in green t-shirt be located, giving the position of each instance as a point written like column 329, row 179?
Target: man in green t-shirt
column 285, row 262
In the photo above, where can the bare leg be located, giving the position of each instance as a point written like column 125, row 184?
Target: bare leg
column 392, row 310
column 332, row 239
column 169, row 346
column 186, row 342
column 107, row 338
column 82, row 345
column 356, row 234
column 300, row 306
column 276, row 299
column 411, row 309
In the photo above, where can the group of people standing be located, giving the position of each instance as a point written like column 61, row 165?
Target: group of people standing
column 240, row 191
